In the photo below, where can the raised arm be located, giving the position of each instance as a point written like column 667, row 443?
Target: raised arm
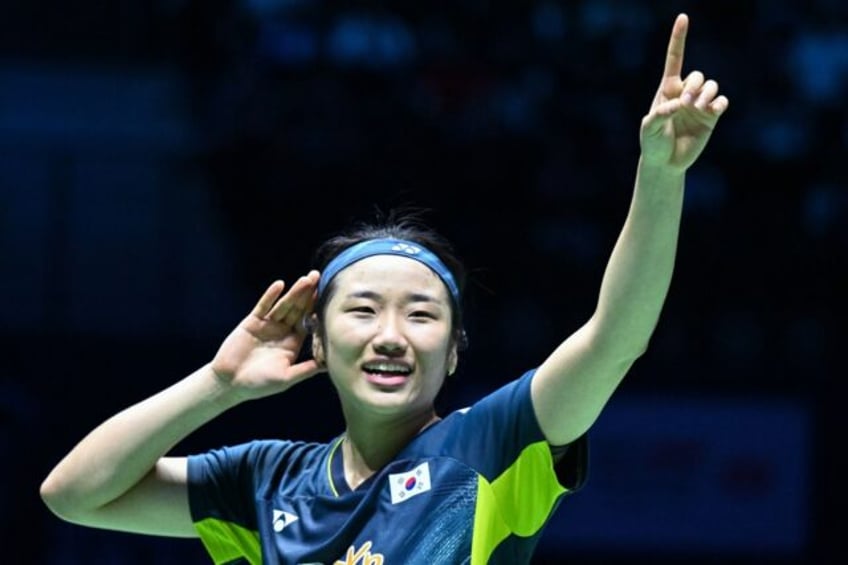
column 118, row 477
column 572, row 386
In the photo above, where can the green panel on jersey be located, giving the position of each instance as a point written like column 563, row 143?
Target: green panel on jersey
column 518, row 502
column 226, row 541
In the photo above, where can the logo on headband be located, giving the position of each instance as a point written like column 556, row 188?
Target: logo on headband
column 406, row 248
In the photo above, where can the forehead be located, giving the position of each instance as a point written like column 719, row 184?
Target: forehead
column 390, row 273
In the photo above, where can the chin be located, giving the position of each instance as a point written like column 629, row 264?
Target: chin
column 387, row 403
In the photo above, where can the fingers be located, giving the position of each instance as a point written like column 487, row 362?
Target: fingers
column 707, row 95
column 705, row 98
column 268, row 298
column 676, row 44
column 691, row 86
column 704, row 102
column 719, row 105
column 694, row 91
column 297, row 302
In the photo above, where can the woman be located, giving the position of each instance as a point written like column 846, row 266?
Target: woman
column 400, row 484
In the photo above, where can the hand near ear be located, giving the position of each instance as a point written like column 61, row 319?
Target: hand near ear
column 259, row 356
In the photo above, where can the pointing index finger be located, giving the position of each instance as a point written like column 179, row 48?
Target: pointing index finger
column 674, row 57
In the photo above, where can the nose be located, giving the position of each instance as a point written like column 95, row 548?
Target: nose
column 389, row 339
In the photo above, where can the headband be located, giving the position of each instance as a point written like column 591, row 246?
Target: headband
column 401, row 247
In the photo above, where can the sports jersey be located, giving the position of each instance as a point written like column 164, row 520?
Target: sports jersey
column 475, row 487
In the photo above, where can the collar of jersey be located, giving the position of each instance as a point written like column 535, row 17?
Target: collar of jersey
column 336, row 474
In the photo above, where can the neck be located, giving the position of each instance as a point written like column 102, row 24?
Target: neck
column 370, row 445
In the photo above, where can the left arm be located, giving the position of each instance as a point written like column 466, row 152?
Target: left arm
column 574, row 383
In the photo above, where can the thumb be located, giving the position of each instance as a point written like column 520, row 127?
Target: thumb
column 654, row 122
column 305, row 370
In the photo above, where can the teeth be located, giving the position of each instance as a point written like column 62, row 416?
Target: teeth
column 388, row 368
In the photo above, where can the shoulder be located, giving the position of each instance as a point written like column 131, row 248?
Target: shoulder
column 511, row 396
column 498, row 425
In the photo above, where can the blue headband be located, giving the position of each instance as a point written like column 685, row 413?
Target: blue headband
column 399, row 247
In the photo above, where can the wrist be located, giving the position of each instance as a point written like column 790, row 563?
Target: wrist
column 661, row 171
column 659, row 187
column 218, row 390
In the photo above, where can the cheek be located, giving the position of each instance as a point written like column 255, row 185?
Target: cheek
column 345, row 341
column 355, row 331
column 432, row 347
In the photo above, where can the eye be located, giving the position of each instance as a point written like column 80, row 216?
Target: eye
column 423, row 314
column 361, row 310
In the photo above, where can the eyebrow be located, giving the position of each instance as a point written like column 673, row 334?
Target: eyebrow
column 411, row 297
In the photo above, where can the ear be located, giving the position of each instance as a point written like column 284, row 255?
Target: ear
column 317, row 343
column 453, row 360
column 318, row 350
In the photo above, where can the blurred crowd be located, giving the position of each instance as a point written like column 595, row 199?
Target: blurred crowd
column 527, row 114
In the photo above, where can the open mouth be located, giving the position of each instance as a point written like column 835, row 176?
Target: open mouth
column 387, row 374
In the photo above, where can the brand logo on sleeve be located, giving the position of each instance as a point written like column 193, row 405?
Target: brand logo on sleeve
column 404, row 486
column 283, row 519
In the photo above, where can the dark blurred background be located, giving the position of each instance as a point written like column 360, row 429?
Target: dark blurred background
column 161, row 162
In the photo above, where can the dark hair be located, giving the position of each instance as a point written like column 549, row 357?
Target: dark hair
column 401, row 224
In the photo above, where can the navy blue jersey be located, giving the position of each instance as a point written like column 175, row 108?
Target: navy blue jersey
column 476, row 487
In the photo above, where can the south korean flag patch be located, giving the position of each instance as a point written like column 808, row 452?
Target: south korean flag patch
column 404, row 486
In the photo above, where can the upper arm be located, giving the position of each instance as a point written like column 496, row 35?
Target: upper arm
column 157, row 505
column 574, row 383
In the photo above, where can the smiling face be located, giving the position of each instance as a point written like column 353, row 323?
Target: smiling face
column 387, row 337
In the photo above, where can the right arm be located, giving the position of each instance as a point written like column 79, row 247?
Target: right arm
column 118, row 476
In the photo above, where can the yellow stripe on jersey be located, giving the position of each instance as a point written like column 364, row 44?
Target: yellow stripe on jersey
column 330, row 466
